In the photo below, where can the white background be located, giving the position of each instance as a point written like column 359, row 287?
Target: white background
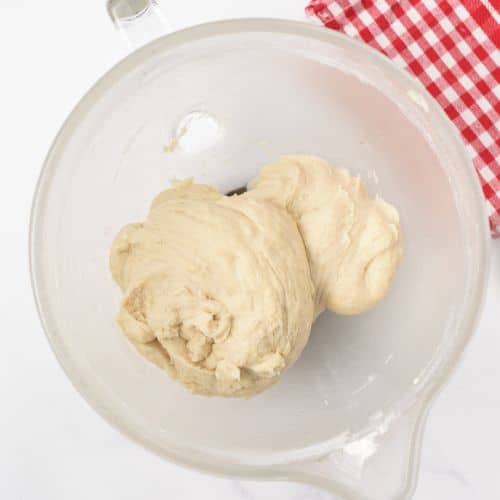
column 52, row 445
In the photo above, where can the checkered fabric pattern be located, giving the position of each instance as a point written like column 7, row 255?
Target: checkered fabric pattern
column 453, row 48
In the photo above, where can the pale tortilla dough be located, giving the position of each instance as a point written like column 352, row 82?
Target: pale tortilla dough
column 217, row 290
column 353, row 241
column 221, row 292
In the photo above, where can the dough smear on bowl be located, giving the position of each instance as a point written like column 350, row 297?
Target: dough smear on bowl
column 221, row 292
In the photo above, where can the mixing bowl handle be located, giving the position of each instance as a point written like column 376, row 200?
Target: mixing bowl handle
column 139, row 21
column 381, row 465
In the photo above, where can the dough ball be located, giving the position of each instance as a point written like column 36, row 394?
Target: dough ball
column 353, row 241
column 217, row 290
column 221, row 292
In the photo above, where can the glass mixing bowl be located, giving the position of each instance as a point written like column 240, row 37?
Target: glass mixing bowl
column 350, row 411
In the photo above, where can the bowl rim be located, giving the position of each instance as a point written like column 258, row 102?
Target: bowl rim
column 234, row 26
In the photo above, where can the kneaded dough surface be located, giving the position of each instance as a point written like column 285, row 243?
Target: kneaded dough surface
column 221, row 292
column 353, row 241
column 217, row 290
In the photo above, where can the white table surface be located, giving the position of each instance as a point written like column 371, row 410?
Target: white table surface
column 52, row 444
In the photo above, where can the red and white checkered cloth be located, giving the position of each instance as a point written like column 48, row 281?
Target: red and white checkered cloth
column 453, row 48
